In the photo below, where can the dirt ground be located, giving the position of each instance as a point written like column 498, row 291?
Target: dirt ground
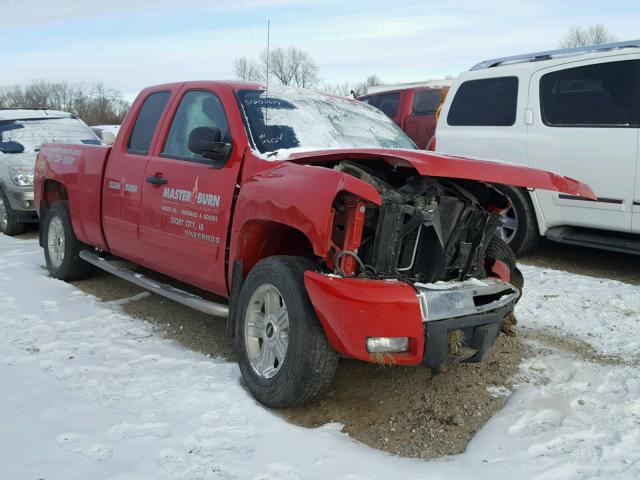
column 402, row 410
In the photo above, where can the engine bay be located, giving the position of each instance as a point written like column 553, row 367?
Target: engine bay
column 427, row 229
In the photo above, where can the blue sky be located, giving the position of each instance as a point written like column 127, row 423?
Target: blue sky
column 134, row 43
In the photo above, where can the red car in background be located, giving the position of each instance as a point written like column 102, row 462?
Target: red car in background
column 413, row 108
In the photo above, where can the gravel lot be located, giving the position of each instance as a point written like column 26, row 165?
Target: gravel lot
column 396, row 409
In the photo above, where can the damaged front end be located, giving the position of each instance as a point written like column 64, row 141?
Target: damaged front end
column 429, row 239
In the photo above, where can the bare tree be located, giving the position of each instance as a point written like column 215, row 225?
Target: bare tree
column 247, row 70
column 341, row 89
column 95, row 104
column 290, row 66
column 363, row 87
column 584, row 36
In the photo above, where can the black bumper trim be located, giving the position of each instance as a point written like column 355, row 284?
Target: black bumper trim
column 479, row 330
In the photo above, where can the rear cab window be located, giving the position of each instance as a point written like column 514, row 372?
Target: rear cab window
column 387, row 103
column 601, row 95
column 147, row 122
column 490, row 102
column 425, row 102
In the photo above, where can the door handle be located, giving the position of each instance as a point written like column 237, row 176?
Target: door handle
column 156, row 179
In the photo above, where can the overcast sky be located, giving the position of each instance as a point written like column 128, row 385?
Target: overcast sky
column 135, row 43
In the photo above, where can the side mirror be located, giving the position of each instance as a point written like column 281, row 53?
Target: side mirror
column 107, row 138
column 208, row 142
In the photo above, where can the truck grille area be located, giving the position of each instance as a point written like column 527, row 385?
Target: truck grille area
column 426, row 229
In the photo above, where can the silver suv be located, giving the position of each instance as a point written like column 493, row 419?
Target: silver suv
column 22, row 132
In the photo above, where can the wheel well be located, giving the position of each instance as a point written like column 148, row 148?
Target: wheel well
column 52, row 192
column 261, row 238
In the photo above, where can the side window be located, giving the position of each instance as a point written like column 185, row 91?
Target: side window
column 425, row 102
column 486, row 102
column 146, row 123
column 387, row 103
column 197, row 109
column 594, row 95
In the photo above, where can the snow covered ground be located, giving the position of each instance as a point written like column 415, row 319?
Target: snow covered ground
column 87, row 392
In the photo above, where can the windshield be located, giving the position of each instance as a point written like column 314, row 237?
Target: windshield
column 28, row 135
column 290, row 118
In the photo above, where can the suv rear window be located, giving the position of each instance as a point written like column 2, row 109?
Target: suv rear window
column 488, row 102
column 594, row 95
column 387, row 103
column 425, row 102
column 146, row 123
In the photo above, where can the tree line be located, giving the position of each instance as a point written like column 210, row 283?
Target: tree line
column 95, row 104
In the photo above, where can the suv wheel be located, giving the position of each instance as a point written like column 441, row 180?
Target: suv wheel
column 520, row 228
column 283, row 353
column 61, row 247
column 9, row 224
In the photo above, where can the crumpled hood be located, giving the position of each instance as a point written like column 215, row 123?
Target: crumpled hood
column 441, row 165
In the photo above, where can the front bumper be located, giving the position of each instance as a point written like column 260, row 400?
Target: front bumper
column 354, row 309
column 22, row 203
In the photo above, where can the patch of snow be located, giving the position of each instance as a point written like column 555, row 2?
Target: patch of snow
column 89, row 392
column 601, row 312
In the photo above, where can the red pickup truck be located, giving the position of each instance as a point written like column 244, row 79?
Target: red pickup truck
column 412, row 108
column 317, row 221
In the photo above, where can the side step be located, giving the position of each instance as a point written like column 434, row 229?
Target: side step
column 615, row 241
column 175, row 294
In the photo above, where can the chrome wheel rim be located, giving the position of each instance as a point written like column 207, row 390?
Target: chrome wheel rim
column 55, row 242
column 266, row 331
column 509, row 227
column 4, row 215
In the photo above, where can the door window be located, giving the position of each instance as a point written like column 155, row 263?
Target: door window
column 197, row 109
column 489, row 102
column 426, row 102
column 593, row 95
column 146, row 123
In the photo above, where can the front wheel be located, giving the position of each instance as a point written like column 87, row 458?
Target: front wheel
column 61, row 247
column 9, row 223
column 283, row 353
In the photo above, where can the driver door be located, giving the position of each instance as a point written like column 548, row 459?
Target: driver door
column 186, row 202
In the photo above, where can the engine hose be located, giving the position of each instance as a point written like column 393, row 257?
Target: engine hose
column 338, row 270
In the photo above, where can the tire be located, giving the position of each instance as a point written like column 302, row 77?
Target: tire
column 61, row 247
column 521, row 228
column 9, row 224
column 278, row 375
column 498, row 249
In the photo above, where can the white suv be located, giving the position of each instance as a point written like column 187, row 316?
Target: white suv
column 574, row 111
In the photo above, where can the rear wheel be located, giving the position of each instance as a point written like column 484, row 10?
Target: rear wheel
column 519, row 226
column 61, row 247
column 283, row 353
column 9, row 224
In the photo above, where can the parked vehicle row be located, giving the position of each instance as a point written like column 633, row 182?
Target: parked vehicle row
column 328, row 232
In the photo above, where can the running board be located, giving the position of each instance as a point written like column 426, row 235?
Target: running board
column 185, row 298
column 620, row 242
